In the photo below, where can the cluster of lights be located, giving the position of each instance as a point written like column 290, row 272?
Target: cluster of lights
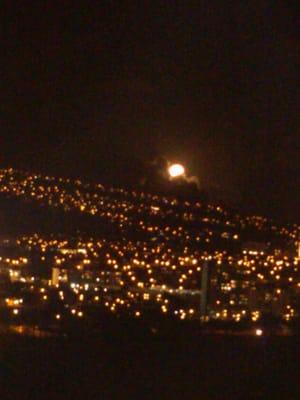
column 124, row 274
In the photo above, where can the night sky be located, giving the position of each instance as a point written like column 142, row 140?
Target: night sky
column 102, row 89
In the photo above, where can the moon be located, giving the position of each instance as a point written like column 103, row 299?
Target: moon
column 176, row 170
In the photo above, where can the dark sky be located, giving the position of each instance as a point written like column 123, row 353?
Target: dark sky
column 101, row 88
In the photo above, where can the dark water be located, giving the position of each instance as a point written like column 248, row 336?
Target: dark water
column 154, row 368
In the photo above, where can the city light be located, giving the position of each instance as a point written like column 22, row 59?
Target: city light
column 154, row 259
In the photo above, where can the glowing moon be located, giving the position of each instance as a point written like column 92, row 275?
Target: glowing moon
column 176, row 170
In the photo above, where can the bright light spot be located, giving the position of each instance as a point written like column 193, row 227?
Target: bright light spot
column 176, row 170
column 258, row 332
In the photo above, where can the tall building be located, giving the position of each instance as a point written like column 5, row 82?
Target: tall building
column 55, row 276
column 205, row 284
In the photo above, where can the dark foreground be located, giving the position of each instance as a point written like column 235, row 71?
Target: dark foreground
column 126, row 366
